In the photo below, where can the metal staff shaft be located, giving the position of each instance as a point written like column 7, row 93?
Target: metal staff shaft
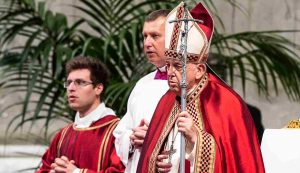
column 183, row 86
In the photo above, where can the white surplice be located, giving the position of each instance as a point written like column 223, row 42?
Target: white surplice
column 141, row 105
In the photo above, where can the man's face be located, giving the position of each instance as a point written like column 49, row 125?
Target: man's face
column 82, row 95
column 194, row 72
column 154, row 41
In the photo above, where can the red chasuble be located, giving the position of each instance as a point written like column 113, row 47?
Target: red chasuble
column 91, row 148
column 227, row 140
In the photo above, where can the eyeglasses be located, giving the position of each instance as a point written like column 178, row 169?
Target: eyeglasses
column 77, row 83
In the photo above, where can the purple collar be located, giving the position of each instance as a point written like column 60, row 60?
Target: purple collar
column 161, row 74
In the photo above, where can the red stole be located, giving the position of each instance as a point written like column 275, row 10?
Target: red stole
column 226, row 118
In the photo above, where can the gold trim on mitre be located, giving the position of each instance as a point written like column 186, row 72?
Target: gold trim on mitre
column 197, row 42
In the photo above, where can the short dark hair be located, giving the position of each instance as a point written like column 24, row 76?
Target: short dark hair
column 99, row 72
column 156, row 14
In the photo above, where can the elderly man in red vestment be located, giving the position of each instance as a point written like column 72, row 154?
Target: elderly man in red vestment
column 87, row 145
column 218, row 128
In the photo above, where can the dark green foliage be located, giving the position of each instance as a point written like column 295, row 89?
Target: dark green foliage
column 35, row 67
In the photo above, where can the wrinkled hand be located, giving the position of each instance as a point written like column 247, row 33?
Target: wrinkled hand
column 187, row 126
column 138, row 134
column 162, row 166
column 63, row 165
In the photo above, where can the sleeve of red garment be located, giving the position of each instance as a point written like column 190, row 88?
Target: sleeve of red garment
column 50, row 155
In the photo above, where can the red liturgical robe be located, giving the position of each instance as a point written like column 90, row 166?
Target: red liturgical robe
column 91, row 148
column 227, row 140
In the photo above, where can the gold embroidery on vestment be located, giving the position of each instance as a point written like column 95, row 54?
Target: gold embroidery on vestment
column 94, row 127
column 63, row 133
column 205, row 149
column 104, row 142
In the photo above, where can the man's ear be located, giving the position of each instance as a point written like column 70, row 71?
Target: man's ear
column 201, row 69
column 99, row 88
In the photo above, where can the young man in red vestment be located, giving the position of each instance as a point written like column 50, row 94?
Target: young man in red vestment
column 87, row 145
column 218, row 129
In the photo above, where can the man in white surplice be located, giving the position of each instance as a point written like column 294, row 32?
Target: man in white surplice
column 144, row 98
